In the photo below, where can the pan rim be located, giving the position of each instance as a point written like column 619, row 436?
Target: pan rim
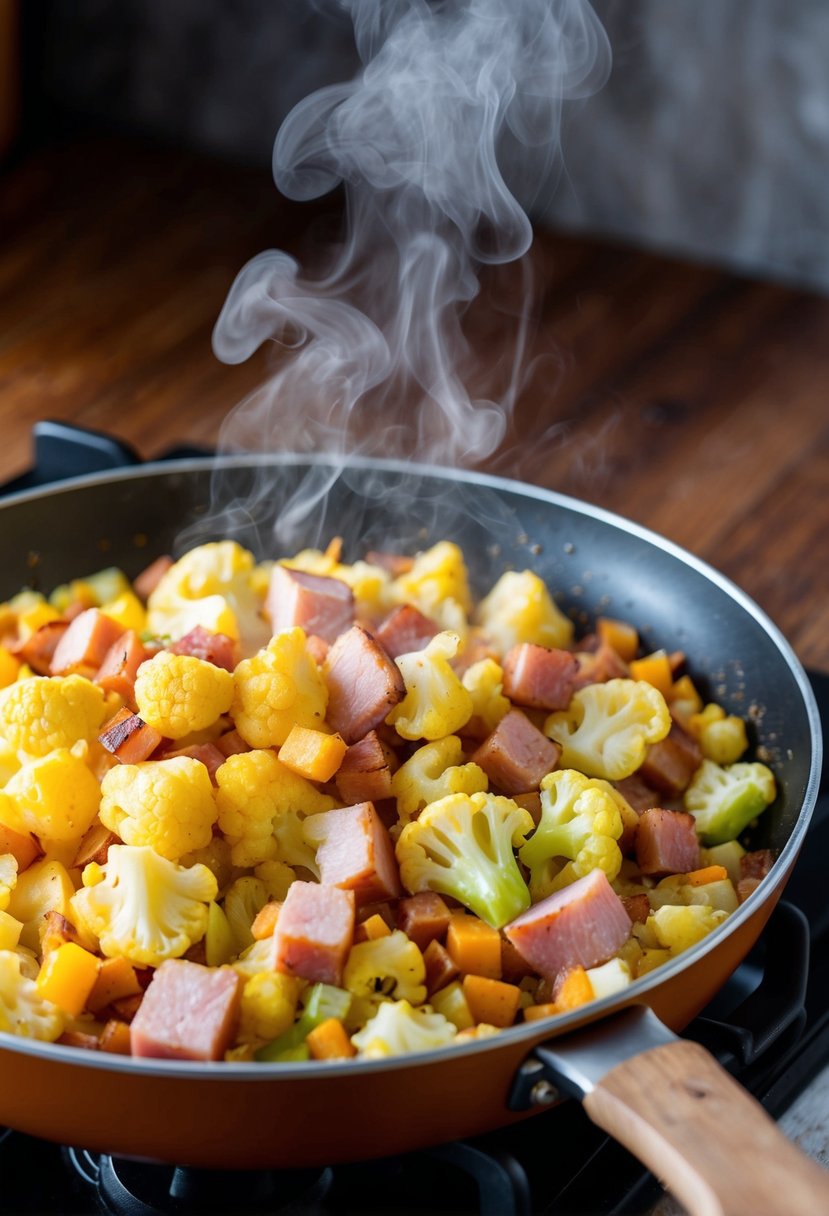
column 524, row 1032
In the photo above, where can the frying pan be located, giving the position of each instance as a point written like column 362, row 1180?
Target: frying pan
column 665, row 1098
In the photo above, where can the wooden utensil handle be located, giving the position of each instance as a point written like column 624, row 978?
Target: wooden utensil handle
column 705, row 1138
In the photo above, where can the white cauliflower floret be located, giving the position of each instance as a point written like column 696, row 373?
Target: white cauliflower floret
column 23, row 1011
column 518, row 609
column 606, row 729
column 436, row 704
column 143, row 906
column 484, row 681
column 434, row 771
column 391, row 965
column 397, row 1028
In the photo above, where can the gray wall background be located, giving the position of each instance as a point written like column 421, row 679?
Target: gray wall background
column 711, row 138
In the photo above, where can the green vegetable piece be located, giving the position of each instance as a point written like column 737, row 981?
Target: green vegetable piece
column 219, row 942
column 324, row 1001
column 724, row 800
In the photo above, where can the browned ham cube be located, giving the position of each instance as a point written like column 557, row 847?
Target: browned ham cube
column 539, row 677
column 666, row 842
column 357, row 853
column 365, row 773
column 517, row 755
column 406, row 629
column 314, row 932
column 319, row 605
column 83, row 647
column 364, row 684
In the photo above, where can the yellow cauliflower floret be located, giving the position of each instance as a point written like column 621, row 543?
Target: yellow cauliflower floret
column 42, row 713
column 23, row 1011
column 721, row 736
column 676, row 928
column 438, row 584
column 436, row 704
column 216, row 856
column 166, row 804
column 434, row 771
column 277, row 877
column 276, row 689
column 484, row 681
column 605, row 730
column 54, row 796
column 8, row 878
column 519, row 608
column 391, row 965
column 127, row 610
column 577, row 833
column 257, row 797
column 178, row 693
column 244, row 899
column 269, row 1004
column 397, row 1029
column 143, row 906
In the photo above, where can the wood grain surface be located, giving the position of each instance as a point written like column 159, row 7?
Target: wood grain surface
column 682, row 397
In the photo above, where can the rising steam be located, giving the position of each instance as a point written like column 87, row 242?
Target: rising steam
column 455, row 114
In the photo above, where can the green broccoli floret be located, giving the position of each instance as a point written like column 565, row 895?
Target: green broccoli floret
column 462, row 846
column 724, row 800
column 580, row 824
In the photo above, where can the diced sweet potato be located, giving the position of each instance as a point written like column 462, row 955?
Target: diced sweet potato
column 491, row 1001
column 116, row 979
column 474, row 947
column 115, row 1038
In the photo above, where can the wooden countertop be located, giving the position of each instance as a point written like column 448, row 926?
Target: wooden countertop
column 682, row 397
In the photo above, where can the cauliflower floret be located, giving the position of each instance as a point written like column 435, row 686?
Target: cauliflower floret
column 178, row 693
column 216, row 856
column 436, row 703
column 605, row 730
column 23, row 1011
column 677, row 928
column 724, row 801
column 143, row 906
column 484, row 681
column 438, row 584
column 269, row 1004
column 518, row 609
column 463, row 846
column 721, row 736
column 397, row 1028
column 433, row 772
column 277, row 877
column 276, row 689
column 257, row 957
column 580, row 822
column 42, row 713
column 390, row 965
column 261, row 803
column 212, row 586
column 54, row 796
column 166, row 804
column 8, row 878
column 243, row 900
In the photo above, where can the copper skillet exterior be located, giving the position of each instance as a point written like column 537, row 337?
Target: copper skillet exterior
column 247, row 1116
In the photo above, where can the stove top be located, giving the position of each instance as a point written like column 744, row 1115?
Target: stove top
column 769, row 1026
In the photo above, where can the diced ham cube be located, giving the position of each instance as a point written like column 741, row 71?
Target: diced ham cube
column 441, row 968
column 365, row 773
column 188, row 1012
column 84, row 645
column 670, row 764
column 638, row 907
column 746, row 887
column 539, row 677
column 149, row 578
column 324, row 606
column 39, row 649
column 516, row 755
column 215, row 648
column 314, row 932
column 666, row 842
column 120, row 664
column 231, row 743
column 207, row 753
column 317, row 647
column 599, row 665
column 77, row 1038
column 129, row 738
column 423, row 917
column 405, row 630
column 584, row 925
column 364, row 684
column 357, row 853
column 756, row 864
column 395, row 563
column 635, row 792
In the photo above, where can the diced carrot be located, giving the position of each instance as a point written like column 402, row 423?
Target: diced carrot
column 573, row 989
column 77, row 1038
column 67, row 977
column 369, row 930
column 474, row 946
column 265, row 920
column 312, row 753
column 534, row 1012
column 440, row 968
column 491, row 1001
column 115, row 980
column 330, row 1041
column 115, row 1037
column 620, row 635
column 23, row 847
column 655, row 669
column 698, row 878
column 684, row 689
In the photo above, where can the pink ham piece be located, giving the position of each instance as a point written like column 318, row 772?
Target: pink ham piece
column 314, row 932
column 423, row 917
column 149, row 578
column 363, row 684
column 365, row 773
column 584, row 924
column 324, row 606
column 215, row 648
column 39, row 649
column 120, row 664
column 189, row 1012
column 231, row 743
column 598, row 665
column 539, row 677
column 516, row 755
column 207, row 754
column 670, row 764
column 357, row 853
column 405, row 630
column 84, row 645
column 666, row 842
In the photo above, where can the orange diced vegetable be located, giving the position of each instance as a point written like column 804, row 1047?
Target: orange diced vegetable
column 23, row 847
column 371, row 929
column 474, row 946
column 491, row 1001
column 78, row 1038
column 534, row 1012
column 67, row 977
column 330, row 1041
column 440, row 969
column 622, row 637
column 573, row 990
column 116, row 979
column 699, row 878
column 9, row 667
column 127, row 1006
column 55, row 930
column 312, row 754
column 655, row 669
column 115, row 1037
column 95, row 845
column 265, row 920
